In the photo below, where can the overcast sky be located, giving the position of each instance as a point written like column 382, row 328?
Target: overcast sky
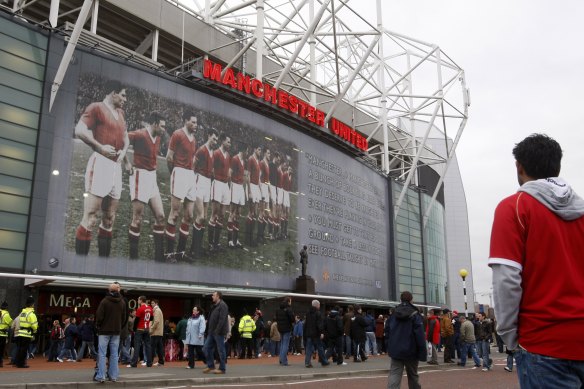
column 524, row 66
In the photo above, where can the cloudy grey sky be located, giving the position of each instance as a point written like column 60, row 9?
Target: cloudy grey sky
column 524, row 66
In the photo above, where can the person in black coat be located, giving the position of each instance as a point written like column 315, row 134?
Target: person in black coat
column 406, row 344
column 285, row 320
column 358, row 325
column 314, row 334
column 333, row 331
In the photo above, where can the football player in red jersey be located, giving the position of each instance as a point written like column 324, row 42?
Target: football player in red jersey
column 180, row 156
column 254, row 194
column 143, row 184
column 220, row 193
column 103, row 128
column 264, row 206
column 237, row 174
column 203, row 176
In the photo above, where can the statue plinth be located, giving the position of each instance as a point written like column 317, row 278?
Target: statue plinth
column 305, row 285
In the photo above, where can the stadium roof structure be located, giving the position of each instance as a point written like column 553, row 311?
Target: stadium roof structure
column 335, row 54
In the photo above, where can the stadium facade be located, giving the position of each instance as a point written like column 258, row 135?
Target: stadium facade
column 330, row 121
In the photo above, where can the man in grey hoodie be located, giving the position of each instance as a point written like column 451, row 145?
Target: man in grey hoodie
column 537, row 246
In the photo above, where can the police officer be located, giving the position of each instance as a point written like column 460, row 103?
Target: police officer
column 28, row 328
column 5, row 321
column 246, row 328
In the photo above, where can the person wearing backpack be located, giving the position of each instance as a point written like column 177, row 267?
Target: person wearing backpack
column 406, row 344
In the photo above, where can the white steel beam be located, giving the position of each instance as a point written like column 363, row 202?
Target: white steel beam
column 54, row 13
column 309, row 31
column 62, row 69
column 94, row 16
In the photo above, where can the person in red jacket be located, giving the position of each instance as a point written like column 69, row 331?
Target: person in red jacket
column 433, row 335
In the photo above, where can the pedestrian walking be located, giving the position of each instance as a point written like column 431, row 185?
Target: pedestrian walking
column 218, row 328
column 406, row 344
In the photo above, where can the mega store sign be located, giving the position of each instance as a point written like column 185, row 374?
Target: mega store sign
column 282, row 99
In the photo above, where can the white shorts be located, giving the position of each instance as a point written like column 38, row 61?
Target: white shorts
column 265, row 191
column 221, row 192
column 286, row 199
column 237, row 194
column 280, row 198
column 143, row 185
column 182, row 183
column 203, row 187
column 255, row 194
column 273, row 193
column 103, row 177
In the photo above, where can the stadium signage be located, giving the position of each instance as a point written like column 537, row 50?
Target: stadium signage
column 282, row 99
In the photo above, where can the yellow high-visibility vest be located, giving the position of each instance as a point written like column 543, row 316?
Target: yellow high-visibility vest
column 28, row 323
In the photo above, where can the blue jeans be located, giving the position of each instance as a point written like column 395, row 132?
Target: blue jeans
column 125, row 344
column 274, row 348
column 510, row 361
column 311, row 343
column 113, row 342
column 212, row 343
column 485, row 347
column 348, row 343
column 538, row 371
column 465, row 348
column 284, row 344
column 370, row 343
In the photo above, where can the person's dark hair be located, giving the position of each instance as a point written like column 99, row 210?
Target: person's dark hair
column 406, row 297
column 222, row 137
column 212, row 131
column 113, row 86
column 540, row 156
column 188, row 114
column 155, row 117
column 244, row 312
column 142, row 298
column 436, row 311
column 219, row 294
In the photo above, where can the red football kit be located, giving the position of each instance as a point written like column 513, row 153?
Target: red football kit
column 253, row 167
column 145, row 149
column 144, row 315
column 237, row 170
column 204, row 163
column 184, row 148
column 264, row 172
column 528, row 236
column 221, row 165
column 106, row 129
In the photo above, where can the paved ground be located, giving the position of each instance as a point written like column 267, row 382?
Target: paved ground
column 370, row 374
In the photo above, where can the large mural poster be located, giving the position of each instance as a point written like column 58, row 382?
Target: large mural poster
column 169, row 184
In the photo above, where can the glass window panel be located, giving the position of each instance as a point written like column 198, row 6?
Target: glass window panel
column 18, row 81
column 19, row 116
column 418, row 290
column 405, row 271
column 22, row 33
column 417, row 265
column 11, row 259
column 16, row 168
column 16, row 186
column 12, row 240
column 404, row 262
column 417, row 273
column 417, row 281
column 18, row 133
column 13, row 221
column 22, row 49
column 21, row 66
column 13, row 203
column 405, row 279
column 16, row 150
column 20, row 99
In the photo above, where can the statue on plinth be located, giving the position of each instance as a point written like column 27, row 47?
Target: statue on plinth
column 304, row 259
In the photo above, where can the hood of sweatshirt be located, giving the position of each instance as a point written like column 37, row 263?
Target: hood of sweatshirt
column 404, row 311
column 557, row 196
